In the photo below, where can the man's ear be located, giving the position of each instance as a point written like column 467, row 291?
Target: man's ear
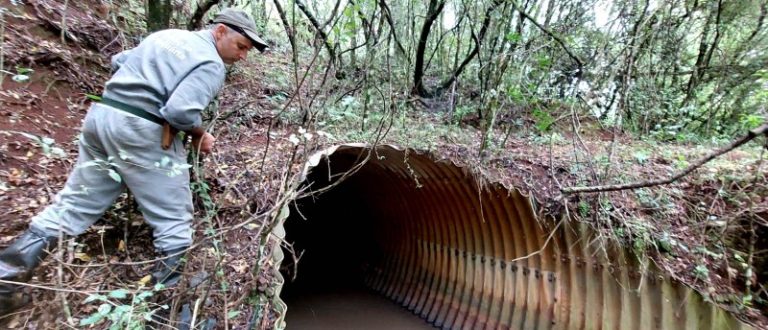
column 220, row 30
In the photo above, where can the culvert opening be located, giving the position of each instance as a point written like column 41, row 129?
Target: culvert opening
column 442, row 249
column 337, row 236
column 332, row 235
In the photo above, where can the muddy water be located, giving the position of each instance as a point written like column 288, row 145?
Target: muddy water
column 348, row 308
column 336, row 249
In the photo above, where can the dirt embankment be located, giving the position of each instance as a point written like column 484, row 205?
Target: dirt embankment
column 43, row 96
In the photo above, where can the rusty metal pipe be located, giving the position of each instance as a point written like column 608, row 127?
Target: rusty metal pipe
column 454, row 253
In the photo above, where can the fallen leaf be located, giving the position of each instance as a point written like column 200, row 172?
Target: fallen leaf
column 240, row 266
column 83, row 256
column 14, row 322
column 145, row 280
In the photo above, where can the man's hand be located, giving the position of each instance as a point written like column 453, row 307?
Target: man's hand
column 203, row 142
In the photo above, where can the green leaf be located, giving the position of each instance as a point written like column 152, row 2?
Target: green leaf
column 144, row 295
column 543, row 61
column 104, row 309
column 20, row 78
column 95, row 297
column 512, row 37
column 515, row 94
column 284, row 212
column 584, row 209
column 122, row 309
column 23, row 70
column 58, row 152
column 93, row 97
column 701, row 271
column 641, row 157
column 350, row 26
column 233, row 314
column 114, row 175
column 543, row 120
column 665, row 243
column 119, row 294
column 93, row 319
column 348, row 12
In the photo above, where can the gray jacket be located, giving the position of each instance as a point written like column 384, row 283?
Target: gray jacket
column 172, row 74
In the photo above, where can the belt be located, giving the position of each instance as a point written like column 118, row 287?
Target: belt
column 131, row 109
column 169, row 133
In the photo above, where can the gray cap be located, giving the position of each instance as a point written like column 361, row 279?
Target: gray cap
column 240, row 21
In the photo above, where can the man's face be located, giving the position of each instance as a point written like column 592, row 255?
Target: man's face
column 231, row 45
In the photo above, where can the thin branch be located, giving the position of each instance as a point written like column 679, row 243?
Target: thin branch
column 388, row 15
column 289, row 31
column 318, row 28
column 762, row 130
column 478, row 39
column 333, row 14
column 551, row 35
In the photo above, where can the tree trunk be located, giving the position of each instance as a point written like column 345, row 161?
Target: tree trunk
column 435, row 7
column 475, row 50
column 196, row 21
column 387, row 14
column 693, row 81
column 158, row 14
column 629, row 62
column 286, row 25
column 319, row 29
column 353, row 40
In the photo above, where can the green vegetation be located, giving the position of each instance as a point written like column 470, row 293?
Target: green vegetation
column 124, row 309
column 562, row 93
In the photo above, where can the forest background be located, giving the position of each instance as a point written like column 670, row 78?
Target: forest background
column 580, row 93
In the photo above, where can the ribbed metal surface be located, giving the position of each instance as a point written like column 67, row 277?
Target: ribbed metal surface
column 462, row 256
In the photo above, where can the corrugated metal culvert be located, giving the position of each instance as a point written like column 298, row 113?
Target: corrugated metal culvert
column 462, row 255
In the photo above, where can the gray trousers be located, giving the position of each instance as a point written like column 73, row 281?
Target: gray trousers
column 114, row 143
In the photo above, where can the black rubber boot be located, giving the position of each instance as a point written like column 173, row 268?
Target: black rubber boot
column 17, row 263
column 168, row 270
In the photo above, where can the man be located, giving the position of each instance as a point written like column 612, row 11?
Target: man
column 163, row 83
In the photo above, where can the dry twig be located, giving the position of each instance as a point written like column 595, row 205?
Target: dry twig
column 762, row 130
